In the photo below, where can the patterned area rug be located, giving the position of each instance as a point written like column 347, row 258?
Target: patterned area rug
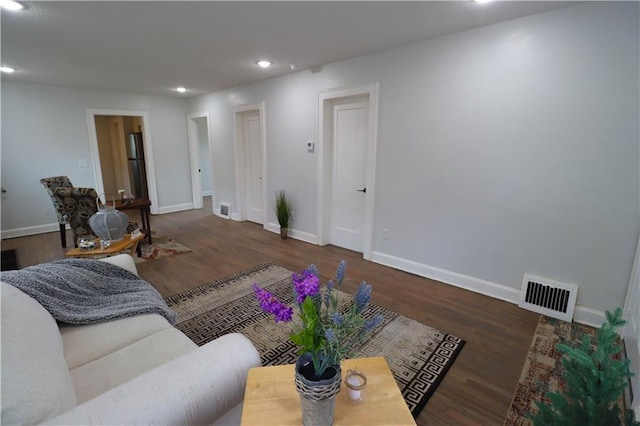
column 419, row 356
column 543, row 368
column 160, row 248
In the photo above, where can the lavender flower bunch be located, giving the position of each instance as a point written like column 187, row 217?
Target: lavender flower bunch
column 327, row 329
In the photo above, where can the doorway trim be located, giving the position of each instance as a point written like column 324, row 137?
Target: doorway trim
column 325, row 159
column 194, row 157
column 241, row 190
column 146, row 141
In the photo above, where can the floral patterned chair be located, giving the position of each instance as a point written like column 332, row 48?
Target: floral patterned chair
column 79, row 204
column 52, row 184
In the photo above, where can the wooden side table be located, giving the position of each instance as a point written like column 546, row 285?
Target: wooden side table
column 125, row 244
column 271, row 398
column 144, row 206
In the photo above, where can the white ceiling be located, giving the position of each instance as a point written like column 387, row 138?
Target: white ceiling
column 151, row 47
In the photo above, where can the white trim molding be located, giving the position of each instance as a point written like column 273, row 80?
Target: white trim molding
column 582, row 314
column 31, row 230
column 175, row 208
column 194, row 157
column 295, row 234
column 146, row 141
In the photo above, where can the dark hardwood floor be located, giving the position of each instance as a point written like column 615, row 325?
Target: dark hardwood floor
column 478, row 388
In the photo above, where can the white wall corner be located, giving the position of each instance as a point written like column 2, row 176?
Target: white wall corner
column 175, row 208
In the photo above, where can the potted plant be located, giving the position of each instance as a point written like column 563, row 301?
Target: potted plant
column 595, row 375
column 283, row 213
column 325, row 330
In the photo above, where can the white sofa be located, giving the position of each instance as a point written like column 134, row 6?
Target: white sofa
column 138, row 370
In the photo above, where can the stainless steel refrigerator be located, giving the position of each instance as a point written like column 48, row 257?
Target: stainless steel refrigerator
column 137, row 169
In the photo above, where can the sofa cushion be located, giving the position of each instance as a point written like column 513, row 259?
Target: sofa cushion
column 36, row 384
column 103, row 374
column 86, row 343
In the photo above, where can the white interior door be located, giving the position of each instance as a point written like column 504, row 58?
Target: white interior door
column 251, row 129
column 350, row 127
column 631, row 331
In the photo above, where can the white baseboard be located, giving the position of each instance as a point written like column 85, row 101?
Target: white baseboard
column 175, row 208
column 30, row 230
column 581, row 314
column 589, row 316
column 293, row 233
column 235, row 216
column 206, row 193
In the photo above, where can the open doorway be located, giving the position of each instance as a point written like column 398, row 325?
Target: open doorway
column 202, row 182
column 118, row 128
column 122, row 160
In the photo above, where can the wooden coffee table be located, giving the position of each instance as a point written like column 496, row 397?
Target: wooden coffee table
column 125, row 244
column 271, row 398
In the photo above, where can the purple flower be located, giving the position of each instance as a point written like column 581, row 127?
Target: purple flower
column 371, row 324
column 337, row 319
column 305, row 284
column 327, row 294
column 340, row 272
column 363, row 295
column 330, row 335
column 269, row 303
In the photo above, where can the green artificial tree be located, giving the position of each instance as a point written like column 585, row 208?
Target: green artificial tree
column 595, row 380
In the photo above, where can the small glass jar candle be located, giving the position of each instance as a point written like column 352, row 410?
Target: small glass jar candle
column 355, row 382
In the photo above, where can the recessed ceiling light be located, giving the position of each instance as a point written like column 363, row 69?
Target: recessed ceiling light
column 181, row 89
column 264, row 64
column 11, row 5
column 483, row 1
column 8, row 70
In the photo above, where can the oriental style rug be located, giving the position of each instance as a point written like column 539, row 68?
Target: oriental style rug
column 160, row 248
column 419, row 356
column 543, row 369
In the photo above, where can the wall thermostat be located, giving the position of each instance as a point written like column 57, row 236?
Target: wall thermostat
column 311, row 146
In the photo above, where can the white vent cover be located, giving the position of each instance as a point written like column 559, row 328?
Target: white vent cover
column 225, row 210
column 548, row 297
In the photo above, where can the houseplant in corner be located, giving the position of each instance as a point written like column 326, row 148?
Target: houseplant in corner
column 326, row 331
column 283, row 213
column 595, row 376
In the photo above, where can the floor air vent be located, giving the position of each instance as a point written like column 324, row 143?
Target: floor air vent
column 548, row 297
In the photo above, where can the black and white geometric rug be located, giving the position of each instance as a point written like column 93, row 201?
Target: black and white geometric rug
column 419, row 356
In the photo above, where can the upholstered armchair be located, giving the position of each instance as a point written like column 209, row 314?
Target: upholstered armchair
column 79, row 204
column 51, row 184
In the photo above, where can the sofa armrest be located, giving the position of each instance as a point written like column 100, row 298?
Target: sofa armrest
column 195, row 388
column 124, row 261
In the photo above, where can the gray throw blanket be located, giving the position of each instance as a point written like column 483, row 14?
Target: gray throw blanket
column 84, row 291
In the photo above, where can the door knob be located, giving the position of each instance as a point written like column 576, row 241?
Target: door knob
column 362, row 190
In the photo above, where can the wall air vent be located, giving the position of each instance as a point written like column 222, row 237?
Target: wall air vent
column 548, row 297
column 225, row 210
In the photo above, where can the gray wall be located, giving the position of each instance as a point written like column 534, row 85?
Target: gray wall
column 44, row 133
column 508, row 149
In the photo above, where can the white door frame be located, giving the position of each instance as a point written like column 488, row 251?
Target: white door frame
column 324, row 163
column 194, row 157
column 241, row 190
column 146, row 141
